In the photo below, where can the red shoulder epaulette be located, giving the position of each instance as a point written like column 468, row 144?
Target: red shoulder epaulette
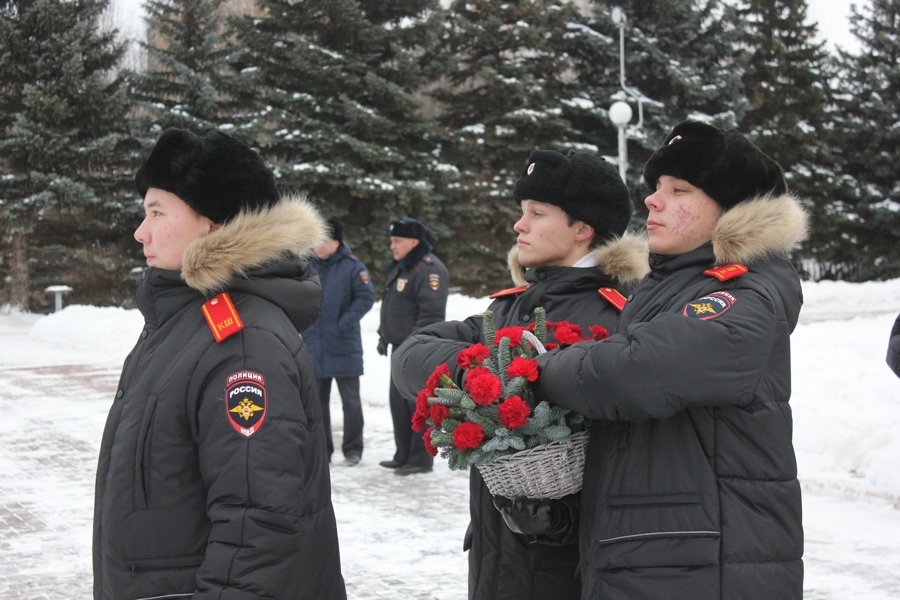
column 222, row 317
column 509, row 292
column 726, row 272
column 613, row 296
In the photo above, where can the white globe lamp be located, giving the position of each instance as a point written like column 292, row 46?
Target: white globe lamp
column 620, row 114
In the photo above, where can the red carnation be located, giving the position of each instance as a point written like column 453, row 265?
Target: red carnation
column 434, row 379
column 439, row 412
column 468, row 436
column 523, row 367
column 427, row 439
column 598, row 332
column 421, row 412
column 483, row 386
column 422, row 399
column 474, row 355
column 567, row 333
column 513, row 412
column 513, row 333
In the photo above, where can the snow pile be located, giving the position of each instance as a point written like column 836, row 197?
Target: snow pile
column 846, row 402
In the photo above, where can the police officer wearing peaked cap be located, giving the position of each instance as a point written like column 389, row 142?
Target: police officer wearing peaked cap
column 415, row 295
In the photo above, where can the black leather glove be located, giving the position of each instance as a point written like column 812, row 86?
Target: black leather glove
column 554, row 521
column 382, row 346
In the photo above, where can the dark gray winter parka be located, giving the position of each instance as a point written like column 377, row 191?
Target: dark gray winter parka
column 186, row 505
column 504, row 565
column 690, row 487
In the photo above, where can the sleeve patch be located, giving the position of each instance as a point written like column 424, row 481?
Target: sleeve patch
column 364, row 277
column 434, row 281
column 710, row 306
column 245, row 402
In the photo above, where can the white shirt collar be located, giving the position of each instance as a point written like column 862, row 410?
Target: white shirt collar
column 588, row 260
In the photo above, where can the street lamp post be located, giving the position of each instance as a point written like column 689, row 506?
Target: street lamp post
column 620, row 114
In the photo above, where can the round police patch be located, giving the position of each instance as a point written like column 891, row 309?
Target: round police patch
column 245, row 401
column 709, row 307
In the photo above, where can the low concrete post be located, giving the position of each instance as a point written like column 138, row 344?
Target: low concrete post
column 58, row 290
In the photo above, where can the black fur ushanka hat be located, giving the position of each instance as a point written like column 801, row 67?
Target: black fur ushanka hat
column 335, row 228
column 407, row 227
column 216, row 175
column 724, row 164
column 586, row 187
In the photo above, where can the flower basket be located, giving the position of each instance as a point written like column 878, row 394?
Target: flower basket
column 549, row 471
column 521, row 446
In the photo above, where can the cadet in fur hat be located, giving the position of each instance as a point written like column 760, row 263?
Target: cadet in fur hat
column 690, row 486
column 213, row 473
column 415, row 295
column 573, row 258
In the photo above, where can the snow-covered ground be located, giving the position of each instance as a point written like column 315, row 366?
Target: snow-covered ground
column 401, row 537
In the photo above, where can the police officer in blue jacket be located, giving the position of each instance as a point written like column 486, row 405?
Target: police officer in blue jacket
column 335, row 341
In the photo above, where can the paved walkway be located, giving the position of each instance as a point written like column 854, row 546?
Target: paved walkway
column 401, row 538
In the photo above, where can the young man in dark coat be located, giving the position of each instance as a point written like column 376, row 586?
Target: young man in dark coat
column 893, row 354
column 415, row 295
column 335, row 339
column 690, row 487
column 571, row 259
column 213, row 475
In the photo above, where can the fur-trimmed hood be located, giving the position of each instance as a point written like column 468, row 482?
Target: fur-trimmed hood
column 623, row 258
column 291, row 228
column 771, row 225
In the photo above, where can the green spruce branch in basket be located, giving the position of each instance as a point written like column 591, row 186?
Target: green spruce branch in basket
column 495, row 413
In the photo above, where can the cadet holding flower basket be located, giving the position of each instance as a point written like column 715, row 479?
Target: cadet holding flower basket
column 572, row 262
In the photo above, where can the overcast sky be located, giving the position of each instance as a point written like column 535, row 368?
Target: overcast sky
column 833, row 19
column 831, row 15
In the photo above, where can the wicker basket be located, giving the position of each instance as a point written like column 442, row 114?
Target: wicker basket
column 551, row 470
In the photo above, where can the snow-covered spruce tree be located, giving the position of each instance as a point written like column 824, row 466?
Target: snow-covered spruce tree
column 186, row 80
column 511, row 87
column 62, row 117
column 678, row 54
column 330, row 86
column 867, row 141
column 787, row 85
